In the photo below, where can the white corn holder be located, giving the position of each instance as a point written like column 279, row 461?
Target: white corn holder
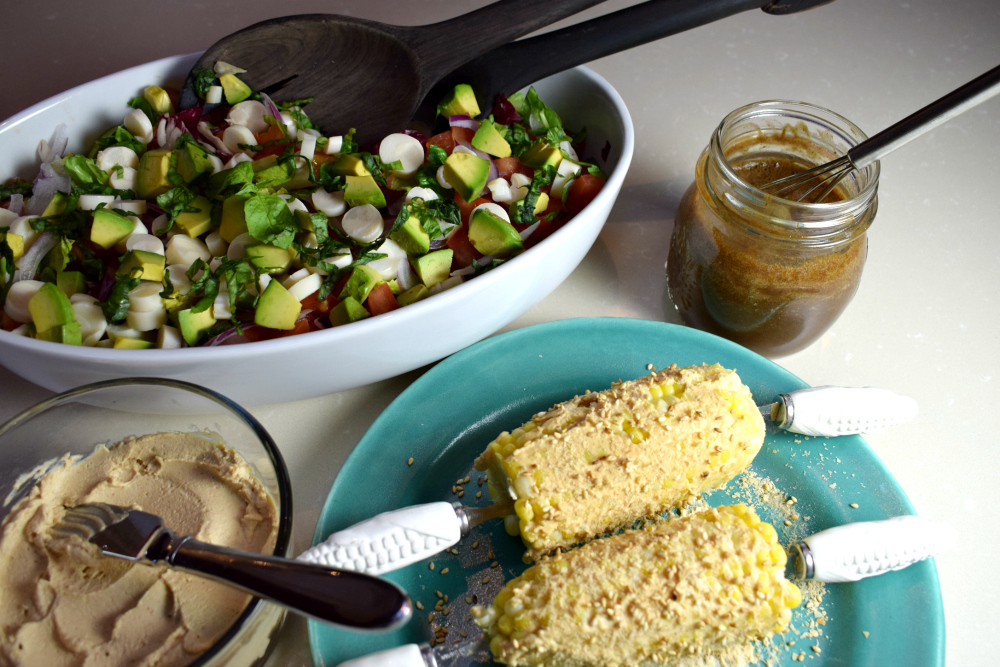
column 859, row 550
column 391, row 540
column 834, row 411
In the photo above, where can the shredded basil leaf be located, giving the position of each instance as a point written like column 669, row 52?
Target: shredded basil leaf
column 269, row 220
column 204, row 79
column 436, row 155
column 174, row 202
column 144, row 106
column 524, row 212
column 116, row 307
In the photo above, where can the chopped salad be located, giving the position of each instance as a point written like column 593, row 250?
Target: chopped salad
column 238, row 220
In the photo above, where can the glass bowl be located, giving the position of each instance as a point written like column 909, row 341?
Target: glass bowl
column 77, row 421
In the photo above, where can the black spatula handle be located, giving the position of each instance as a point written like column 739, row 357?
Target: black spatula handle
column 515, row 65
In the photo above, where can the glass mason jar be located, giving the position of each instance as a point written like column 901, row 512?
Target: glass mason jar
column 770, row 273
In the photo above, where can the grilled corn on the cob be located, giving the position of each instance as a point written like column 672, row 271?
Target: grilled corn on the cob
column 602, row 460
column 693, row 585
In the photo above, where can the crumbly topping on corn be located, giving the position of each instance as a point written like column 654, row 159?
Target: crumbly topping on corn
column 602, row 460
column 692, row 586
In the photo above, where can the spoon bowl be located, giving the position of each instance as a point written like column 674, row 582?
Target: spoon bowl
column 364, row 74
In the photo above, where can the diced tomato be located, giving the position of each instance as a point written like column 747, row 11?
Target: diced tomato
column 463, row 252
column 582, row 191
column 512, row 165
column 462, row 134
column 445, row 141
column 313, row 302
column 382, row 300
column 302, row 326
column 320, row 158
column 465, row 208
column 7, row 323
column 545, row 227
column 272, row 133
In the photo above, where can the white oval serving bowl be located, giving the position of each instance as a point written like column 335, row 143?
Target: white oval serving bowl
column 321, row 362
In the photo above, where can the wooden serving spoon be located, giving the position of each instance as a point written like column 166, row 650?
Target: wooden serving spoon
column 365, row 74
column 513, row 66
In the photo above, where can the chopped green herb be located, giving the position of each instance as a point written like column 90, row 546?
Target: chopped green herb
column 269, row 220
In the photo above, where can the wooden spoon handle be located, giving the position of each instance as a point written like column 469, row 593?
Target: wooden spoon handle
column 515, row 65
column 443, row 47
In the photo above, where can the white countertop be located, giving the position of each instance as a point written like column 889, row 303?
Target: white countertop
column 925, row 320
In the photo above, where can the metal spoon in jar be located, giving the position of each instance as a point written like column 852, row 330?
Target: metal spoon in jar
column 874, row 148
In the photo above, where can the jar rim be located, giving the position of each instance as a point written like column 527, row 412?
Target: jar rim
column 820, row 216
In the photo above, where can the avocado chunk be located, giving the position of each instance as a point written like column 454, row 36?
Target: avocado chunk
column 192, row 162
column 300, row 177
column 489, row 140
column 466, row 173
column 492, row 235
column 234, row 89
column 15, row 242
column 158, row 99
column 109, row 228
column 196, row 223
column 542, row 154
column 122, row 343
column 347, row 311
column 152, row 178
column 277, row 308
column 269, row 258
column 362, row 190
column 412, row 238
column 234, row 217
column 71, row 282
column 268, row 172
column 412, row 295
column 541, row 204
column 362, row 281
column 151, row 263
column 50, row 308
column 193, row 325
column 460, row 101
column 67, row 334
column 434, row 267
column 56, row 206
column 349, row 165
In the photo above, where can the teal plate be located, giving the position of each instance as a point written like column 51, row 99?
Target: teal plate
column 446, row 418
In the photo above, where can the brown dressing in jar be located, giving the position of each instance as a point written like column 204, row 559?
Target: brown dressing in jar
column 744, row 266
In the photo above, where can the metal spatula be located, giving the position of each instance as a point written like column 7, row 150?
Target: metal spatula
column 327, row 594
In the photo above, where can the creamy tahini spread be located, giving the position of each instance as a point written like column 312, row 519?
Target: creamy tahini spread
column 62, row 603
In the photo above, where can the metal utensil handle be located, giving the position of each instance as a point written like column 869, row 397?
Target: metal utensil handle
column 954, row 103
column 858, row 550
column 834, row 411
column 408, row 655
column 336, row 596
column 390, row 540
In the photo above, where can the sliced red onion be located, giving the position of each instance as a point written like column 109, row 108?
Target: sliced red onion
column 438, row 243
column 45, row 186
column 230, row 337
column 494, row 172
column 272, row 108
column 475, row 151
column 45, row 242
column 486, row 260
column 393, row 209
column 212, row 139
column 504, row 112
column 463, row 121
column 405, row 276
column 465, row 271
column 107, row 282
column 528, row 231
column 16, row 204
column 419, row 136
